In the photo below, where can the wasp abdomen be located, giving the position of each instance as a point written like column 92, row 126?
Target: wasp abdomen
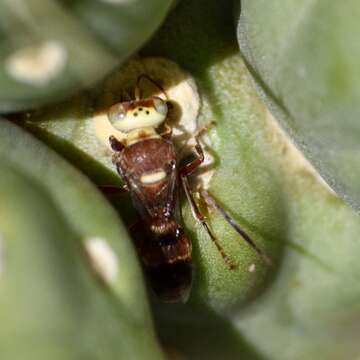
column 171, row 282
column 167, row 261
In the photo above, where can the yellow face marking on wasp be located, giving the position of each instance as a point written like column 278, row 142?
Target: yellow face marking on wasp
column 154, row 177
column 127, row 119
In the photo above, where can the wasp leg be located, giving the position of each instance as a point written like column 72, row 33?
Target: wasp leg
column 191, row 166
column 166, row 134
column 200, row 218
column 111, row 189
column 231, row 221
column 115, row 144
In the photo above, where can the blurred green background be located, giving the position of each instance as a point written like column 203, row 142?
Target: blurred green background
column 281, row 81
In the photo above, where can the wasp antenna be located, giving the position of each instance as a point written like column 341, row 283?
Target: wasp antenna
column 212, row 202
column 137, row 93
column 200, row 218
column 147, row 77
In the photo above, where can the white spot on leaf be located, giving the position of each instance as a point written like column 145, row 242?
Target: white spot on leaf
column 37, row 65
column 103, row 258
column 252, row 268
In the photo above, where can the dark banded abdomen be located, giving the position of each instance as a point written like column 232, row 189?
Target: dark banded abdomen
column 171, row 282
column 167, row 261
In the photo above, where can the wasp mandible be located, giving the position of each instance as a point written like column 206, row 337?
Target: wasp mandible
column 148, row 164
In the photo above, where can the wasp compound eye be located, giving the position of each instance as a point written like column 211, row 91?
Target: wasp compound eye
column 116, row 113
column 160, row 106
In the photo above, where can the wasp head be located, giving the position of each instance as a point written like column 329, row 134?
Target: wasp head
column 136, row 114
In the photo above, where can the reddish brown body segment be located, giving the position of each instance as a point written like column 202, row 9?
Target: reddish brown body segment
column 149, row 169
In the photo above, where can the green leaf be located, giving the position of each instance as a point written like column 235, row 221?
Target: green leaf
column 304, row 56
column 293, row 310
column 70, row 129
column 51, row 49
column 56, row 300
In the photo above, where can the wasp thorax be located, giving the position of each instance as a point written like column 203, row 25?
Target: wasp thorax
column 131, row 115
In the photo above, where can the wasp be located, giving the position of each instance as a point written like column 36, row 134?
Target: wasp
column 152, row 172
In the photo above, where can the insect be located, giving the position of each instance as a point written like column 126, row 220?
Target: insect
column 148, row 164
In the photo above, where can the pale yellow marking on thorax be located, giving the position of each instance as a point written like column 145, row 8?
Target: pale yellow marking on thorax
column 141, row 134
column 154, row 177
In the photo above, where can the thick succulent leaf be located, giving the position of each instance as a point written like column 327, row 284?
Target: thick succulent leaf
column 58, row 298
column 310, row 295
column 304, row 56
column 273, row 191
column 51, row 48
